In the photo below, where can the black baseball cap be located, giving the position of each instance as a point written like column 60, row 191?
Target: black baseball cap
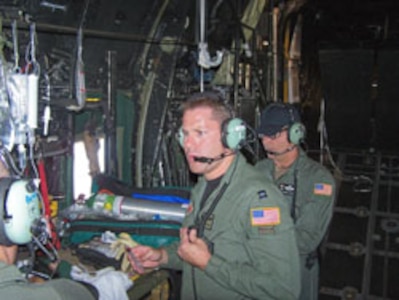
column 275, row 117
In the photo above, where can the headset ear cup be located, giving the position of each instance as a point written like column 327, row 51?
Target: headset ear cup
column 233, row 133
column 24, row 206
column 180, row 137
column 296, row 133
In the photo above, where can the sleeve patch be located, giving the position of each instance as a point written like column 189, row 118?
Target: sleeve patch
column 322, row 189
column 262, row 194
column 189, row 209
column 265, row 216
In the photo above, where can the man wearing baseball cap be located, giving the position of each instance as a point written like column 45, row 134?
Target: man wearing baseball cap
column 308, row 186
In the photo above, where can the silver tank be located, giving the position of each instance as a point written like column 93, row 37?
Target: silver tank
column 140, row 208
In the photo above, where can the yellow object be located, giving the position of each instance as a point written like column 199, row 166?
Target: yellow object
column 121, row 245
column 135, row 277
column 93, row 99
column 108, row 206
column 53, row 207
column 160, row 292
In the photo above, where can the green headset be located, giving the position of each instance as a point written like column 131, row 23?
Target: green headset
column 19, row 210
column 296, row 130
column 234, row 132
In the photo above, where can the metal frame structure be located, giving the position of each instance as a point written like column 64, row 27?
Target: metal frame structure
column 361, row 254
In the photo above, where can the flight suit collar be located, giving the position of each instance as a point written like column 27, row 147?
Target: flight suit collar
column 228, row 176
column 294, row 166
column 226, row 180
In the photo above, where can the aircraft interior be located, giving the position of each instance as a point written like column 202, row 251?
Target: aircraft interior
column 92, row 90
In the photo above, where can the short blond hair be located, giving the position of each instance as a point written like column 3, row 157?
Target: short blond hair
column 221, row 110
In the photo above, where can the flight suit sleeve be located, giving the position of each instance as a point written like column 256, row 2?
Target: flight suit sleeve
column 260, row 165
column 265, row 167
column 316, row 210
column 57, row 289
column 271, row 269
column 174, row 261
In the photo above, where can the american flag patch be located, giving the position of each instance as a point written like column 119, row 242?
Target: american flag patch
column 322, row 189
column 265, row 216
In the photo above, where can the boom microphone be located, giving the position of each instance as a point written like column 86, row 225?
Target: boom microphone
column 282, row 152
column 209, row 160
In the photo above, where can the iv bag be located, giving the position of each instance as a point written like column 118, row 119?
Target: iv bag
column 18, row 87
column 18, row 92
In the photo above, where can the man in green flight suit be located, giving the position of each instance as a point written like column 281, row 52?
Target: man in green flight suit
column 307, row 185
column 13, row 284
column 237, row 240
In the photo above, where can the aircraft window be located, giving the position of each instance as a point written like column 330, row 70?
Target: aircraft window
column 81, row 177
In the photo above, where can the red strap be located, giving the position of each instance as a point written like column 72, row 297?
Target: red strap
column 46, row 201
column 44, row 188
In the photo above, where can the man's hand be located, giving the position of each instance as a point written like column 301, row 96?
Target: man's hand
column 192, row 249
column 121, row 246
column 147, row 257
